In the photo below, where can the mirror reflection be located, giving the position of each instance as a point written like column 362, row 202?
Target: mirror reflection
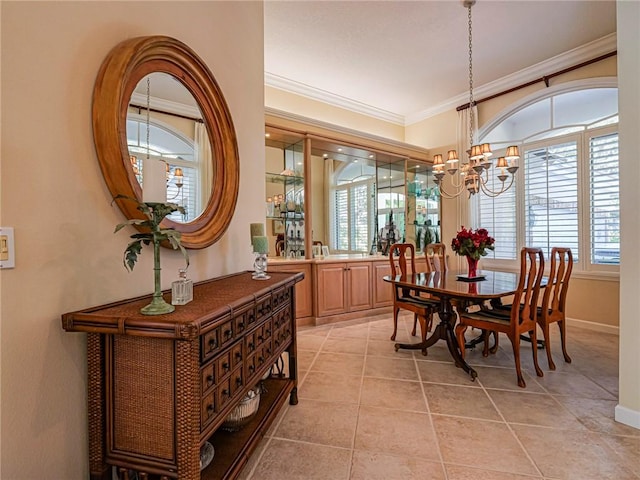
column 361, row 200
column 166, row 134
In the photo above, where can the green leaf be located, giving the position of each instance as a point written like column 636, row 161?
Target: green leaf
column 131, row 254
column 174, row 239
column 155, row 213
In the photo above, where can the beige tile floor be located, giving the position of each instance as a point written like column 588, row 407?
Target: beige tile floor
column 367, row 412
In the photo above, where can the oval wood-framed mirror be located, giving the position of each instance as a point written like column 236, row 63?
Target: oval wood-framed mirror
column 124, row 67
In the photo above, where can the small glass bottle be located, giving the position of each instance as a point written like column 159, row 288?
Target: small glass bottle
column 182, row 289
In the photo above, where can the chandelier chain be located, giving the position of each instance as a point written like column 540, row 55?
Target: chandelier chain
column 471, row 103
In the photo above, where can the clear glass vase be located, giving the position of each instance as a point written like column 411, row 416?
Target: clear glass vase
column 260, row 266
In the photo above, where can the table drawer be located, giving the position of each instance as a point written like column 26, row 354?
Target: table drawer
column 208, row 377
column 223, row 365
column 210, row 343
column 226, row 333
column 263, row 307
column 208, row 410
column 280, row 297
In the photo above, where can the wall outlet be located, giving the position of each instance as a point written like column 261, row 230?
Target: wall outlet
column 7, row 248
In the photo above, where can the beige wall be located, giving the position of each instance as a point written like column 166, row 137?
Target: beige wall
column 52, row 193
column 306, row 107
column 628, row 18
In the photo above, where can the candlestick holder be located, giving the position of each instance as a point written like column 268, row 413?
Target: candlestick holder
column 260, row 266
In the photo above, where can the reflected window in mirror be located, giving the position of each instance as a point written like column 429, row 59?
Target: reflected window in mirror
column 353, row 219
column 167, row 126
column 184, row 171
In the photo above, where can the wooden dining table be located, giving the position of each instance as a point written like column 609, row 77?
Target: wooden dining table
column 448, row 288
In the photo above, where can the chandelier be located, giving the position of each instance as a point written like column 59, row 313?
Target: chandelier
column 474, row 175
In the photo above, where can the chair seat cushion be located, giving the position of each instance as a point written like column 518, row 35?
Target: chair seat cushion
column 491, row 316
column 419, row 302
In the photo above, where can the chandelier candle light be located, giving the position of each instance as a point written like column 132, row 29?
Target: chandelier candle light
column 474, row 174
column 260, row 244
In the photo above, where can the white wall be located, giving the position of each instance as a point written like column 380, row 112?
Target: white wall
column 628, row 18
column 53, row 194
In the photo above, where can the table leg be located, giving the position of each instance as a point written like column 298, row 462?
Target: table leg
column 443, row 331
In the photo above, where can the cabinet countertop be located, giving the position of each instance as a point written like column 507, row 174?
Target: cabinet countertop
column 337, row 258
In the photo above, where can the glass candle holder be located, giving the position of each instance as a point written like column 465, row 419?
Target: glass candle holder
column 260, row 266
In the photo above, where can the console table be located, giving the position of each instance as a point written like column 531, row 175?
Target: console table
column 160, row 386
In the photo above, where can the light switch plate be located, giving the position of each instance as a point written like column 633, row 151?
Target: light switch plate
column 7, row 248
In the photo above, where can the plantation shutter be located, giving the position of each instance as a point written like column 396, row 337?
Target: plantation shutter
column 341, row 220
column 359, row 235
column 498, row 216
column 551, row 197
column 605, row 199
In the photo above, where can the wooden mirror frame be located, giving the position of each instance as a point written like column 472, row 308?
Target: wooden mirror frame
column 126, row 64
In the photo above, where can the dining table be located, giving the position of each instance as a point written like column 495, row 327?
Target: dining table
column 449, row 288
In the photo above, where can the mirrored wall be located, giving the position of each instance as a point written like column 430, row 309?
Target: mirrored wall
column 360, row 200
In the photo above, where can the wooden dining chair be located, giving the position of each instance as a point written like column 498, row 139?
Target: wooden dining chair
column 520, row 318
column 436, row 256
column 404, row 298
column 552, row 309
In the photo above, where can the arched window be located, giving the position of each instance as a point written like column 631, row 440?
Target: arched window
column 168, row 144
column 567, row 188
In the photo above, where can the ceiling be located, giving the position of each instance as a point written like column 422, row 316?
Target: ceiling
column 400, row 60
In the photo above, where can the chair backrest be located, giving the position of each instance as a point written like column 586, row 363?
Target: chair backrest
column 555, row 294
column 405, row 253
column 436, row 254
column 531, row 272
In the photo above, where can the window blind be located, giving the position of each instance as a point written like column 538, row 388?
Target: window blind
column 498, row 216
column 604, row 207
column 341, row 219
column 353, row 223
column 551, row 197
column 359, row 213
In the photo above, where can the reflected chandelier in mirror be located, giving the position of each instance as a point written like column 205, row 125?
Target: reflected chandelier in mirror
column 156, row 100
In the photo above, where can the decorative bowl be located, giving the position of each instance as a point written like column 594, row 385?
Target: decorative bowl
column 206, row 455
column 243, row 412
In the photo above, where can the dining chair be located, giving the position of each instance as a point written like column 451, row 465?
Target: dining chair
column 552, row 309
column 520, row 318
column 404, row 298
column 436, row 256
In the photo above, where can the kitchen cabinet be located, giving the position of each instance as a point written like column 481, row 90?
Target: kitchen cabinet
column 343, row 287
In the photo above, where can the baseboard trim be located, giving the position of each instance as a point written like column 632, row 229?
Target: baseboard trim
column 598, row 327
column 627, row 416
column 352, row 315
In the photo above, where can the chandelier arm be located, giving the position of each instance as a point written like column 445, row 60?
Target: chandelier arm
column 448, row 195
column 494, row 193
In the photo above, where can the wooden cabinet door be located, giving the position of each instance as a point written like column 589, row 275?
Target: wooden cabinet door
column 359, row 278
column 382, row 291
column 331, row 291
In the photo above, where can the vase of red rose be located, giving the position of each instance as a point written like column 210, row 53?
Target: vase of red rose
column 472, row 244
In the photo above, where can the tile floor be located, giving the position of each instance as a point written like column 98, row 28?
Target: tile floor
column 367, row 412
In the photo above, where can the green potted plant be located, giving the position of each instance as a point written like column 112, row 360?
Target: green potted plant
column 156, row 235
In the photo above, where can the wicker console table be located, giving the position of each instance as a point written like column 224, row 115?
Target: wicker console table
column 160, row 386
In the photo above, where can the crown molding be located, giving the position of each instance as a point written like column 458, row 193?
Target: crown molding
column 344, row 130
column 304, row 90
column 166, row 105
column 572, row 57
column 567, row 59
